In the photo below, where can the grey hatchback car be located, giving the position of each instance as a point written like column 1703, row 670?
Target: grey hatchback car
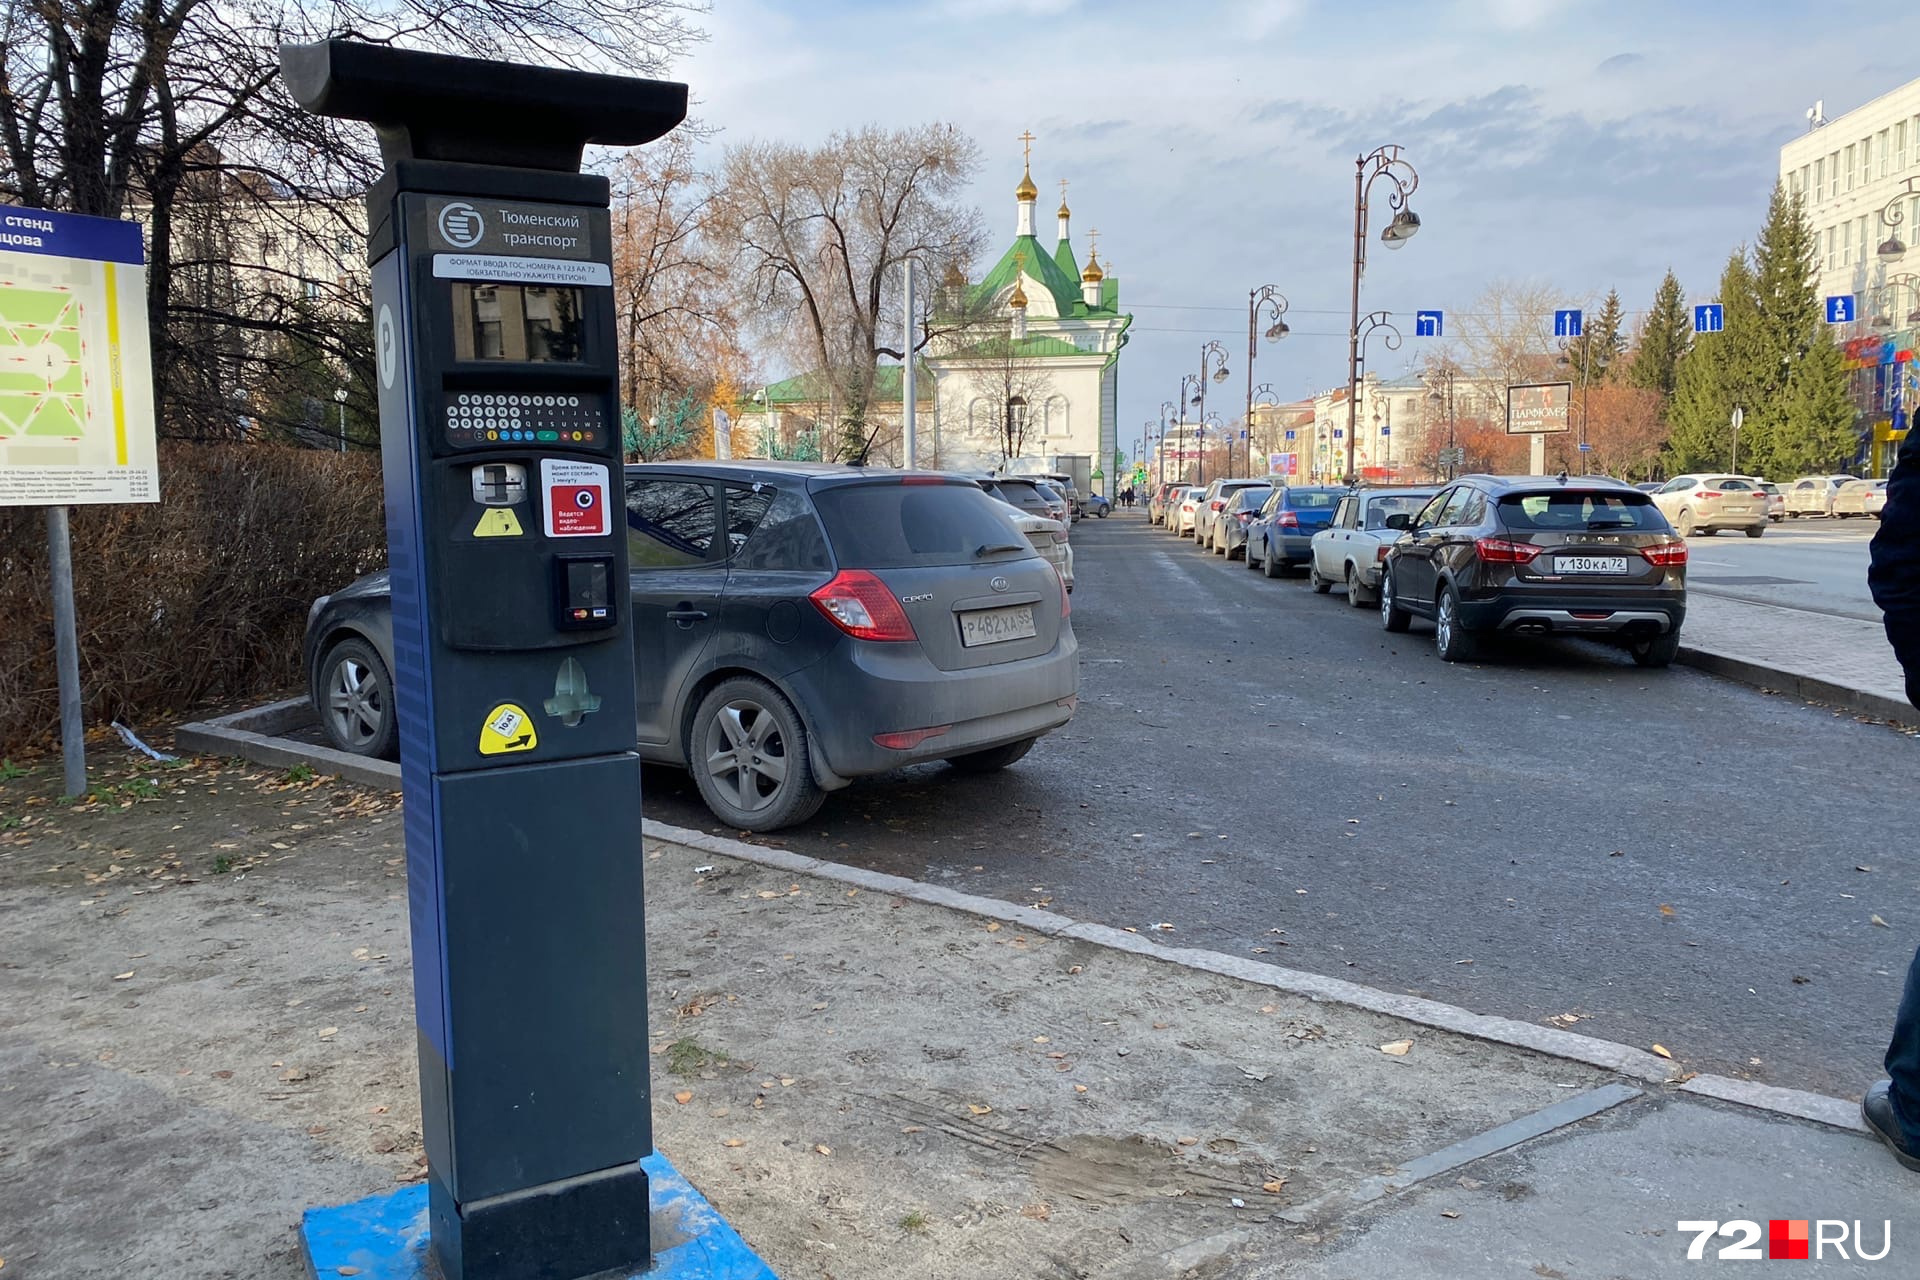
column 840, row 621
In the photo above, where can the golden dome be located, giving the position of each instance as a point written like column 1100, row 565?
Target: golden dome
column 1026, row 190
column 1064, row 211
column 1018, row 298
column 1093, row 274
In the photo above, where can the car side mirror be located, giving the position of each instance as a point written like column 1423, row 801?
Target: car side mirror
column 1400, row 520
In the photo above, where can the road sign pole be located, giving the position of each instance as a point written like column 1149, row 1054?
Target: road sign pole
column 1537, row 455
column 66, row 652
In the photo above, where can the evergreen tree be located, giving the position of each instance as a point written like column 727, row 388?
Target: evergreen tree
column 1791, row 326
column 1592, row 356
column 1664, row 338
column 1820, row 412
column 1716, row 376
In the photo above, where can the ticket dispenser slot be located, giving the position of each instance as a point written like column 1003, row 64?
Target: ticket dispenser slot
column 494, row 340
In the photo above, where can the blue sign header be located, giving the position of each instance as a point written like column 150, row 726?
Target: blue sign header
column 70, row 235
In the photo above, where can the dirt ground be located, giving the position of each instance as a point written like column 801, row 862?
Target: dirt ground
column 206, row 1027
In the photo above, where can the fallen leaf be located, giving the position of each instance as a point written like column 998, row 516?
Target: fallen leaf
column 1398, row 1048
column 1662, row 1051
column 1038, row 1212
column 293, row 1075
column 1164, row 927
column 1075, row 969
column 914, row 1128
column 733, row 1142
column 122, row 977
column 1448, row 1213
column 1875, row 920
column 223, row 1075
column 683, row 1097
column 993, row 926
column 787, row 1081
column 1665, row 910
column 327, row 1033
column 823, row 1148
column 1273, row 1188
column 1079, row 1088
column 979, row 1109
column 1042, row 1040
column 1186, row 1142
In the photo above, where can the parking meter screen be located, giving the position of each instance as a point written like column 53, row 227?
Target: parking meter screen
column 531, row 323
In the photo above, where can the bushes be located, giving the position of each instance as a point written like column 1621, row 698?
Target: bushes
column 201, row 596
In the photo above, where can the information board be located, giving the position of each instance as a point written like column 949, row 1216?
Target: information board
column 76, row 367
column 1538, row 408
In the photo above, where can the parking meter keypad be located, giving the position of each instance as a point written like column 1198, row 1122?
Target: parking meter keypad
column 479, row 419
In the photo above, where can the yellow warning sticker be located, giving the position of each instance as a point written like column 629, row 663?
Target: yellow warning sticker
column 498, row 522
column 508, row 728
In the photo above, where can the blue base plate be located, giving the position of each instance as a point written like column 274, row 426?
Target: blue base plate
column 384, row 1237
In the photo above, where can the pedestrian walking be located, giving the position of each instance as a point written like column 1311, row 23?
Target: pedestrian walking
column 1892, row 1107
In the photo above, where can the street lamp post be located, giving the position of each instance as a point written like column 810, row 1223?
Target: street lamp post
column 1263, row 396
column 1213, row 358
column 1890, row 214
column 1381, row 162
column 1445, row 376
column 1887, row 299
column 1267, row 300
column 1363, row 329
column 1192, row 391
column 340, row 398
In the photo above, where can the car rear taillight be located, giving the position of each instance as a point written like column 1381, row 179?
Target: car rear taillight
column 1066, row 596
column 1380, row 553
column 860, row 605
column 1246, row 516
column 923, row 479
column 1666, row 554
column 1058, row 535
column 1288, row 520
column 1708, row 493
column 1504, row 551
column 908, row 739
column 1216, row 504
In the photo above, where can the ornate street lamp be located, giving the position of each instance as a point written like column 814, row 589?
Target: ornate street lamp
column 1887, row 300
column 1381, row 162
column 1445, row 378
column 1890, row 215
column 1362, row 330
column 1213, row 358
column 1266, row 302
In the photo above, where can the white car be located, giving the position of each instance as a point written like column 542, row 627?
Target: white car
column 1353, row 546
column 1049, row 538
column 1181, row 521
column 1813, row 495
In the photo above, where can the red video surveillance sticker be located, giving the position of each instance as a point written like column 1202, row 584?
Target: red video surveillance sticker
column 575, row 498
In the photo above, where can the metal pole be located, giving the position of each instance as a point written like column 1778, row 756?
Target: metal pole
column 1200, row 432
column 66, row 653
column 1251, row 349
column 1353, row 326
column 906, row 373
column 343, row 426
column 1450, row 446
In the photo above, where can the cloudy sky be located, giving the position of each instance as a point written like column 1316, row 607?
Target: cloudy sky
column 1584, row 145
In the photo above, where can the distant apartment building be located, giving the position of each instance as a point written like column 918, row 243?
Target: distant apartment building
column 1859, row 176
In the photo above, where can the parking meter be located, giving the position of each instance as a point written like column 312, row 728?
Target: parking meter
column 494, row 338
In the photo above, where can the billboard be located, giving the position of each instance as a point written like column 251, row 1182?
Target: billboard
column 76, row 368
column 1282, row 464
column 1539, row 408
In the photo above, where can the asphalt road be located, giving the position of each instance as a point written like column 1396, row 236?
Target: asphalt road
column 1810, row 563
column 1672, row 858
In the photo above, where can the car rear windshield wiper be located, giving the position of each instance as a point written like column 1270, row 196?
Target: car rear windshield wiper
column 992, row 547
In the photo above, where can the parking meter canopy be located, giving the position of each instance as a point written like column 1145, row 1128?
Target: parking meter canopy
column 434, row 106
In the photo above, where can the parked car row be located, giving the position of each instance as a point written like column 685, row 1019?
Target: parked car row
column 1496, row 555
column 847, row 621
column 1707, row 502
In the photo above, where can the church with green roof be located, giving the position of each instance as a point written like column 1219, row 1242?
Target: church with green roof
column 1039, row 349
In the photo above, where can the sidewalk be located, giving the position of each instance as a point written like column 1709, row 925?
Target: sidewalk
column 869, row 1077
column 1817, row 656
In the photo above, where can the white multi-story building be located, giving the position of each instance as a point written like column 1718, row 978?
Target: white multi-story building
column 1859, row 175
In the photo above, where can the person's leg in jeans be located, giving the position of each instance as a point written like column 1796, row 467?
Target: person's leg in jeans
column 1892, row 1108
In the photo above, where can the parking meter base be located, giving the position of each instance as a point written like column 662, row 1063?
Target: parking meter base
column 567, row 1230
column 394, row 1236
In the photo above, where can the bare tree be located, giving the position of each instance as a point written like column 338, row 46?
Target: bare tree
column 173, row 110
column 817, row 237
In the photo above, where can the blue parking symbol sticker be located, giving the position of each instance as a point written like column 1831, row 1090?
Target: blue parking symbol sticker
column 1427, row 324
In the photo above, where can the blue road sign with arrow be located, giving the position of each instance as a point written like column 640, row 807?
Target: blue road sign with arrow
column 1840, row 308
column 1566, row 324
column 1427, row 324
column 1709, row 317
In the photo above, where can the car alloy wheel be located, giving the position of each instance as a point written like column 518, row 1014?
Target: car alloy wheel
column 748, row 754
column 1451, row 639
column 1392, row 617
column 1355, row 596
column 355, row 700
column 1684, row 526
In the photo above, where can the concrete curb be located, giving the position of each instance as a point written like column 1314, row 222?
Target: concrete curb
column 1792, row 683
column 247, row 734
column 1590, row 1051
